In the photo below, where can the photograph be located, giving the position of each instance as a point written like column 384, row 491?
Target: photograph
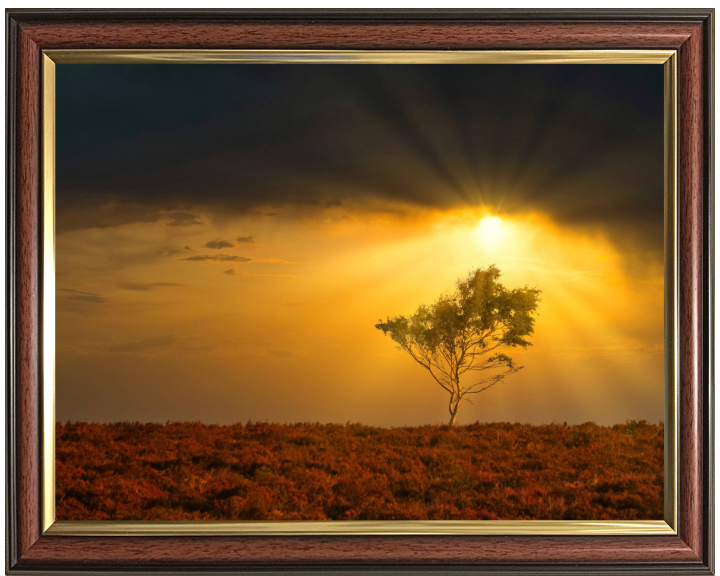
column 360, row 292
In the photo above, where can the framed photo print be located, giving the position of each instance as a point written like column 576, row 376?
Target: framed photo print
column 360, row 291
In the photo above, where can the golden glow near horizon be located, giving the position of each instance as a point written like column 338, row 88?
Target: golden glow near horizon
column 154, row 325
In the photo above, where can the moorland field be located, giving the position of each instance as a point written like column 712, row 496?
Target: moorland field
column 261, row 471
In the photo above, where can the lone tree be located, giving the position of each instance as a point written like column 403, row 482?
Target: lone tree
column 461, row 332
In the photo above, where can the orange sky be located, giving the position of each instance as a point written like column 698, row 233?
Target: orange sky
column 363, row 188
column 153, row 325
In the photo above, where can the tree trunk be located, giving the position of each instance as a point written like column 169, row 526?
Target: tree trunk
column 454, row 413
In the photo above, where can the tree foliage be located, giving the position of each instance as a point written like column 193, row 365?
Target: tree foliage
column 464, row 331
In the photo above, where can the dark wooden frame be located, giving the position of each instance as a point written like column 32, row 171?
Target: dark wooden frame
column 690, row 32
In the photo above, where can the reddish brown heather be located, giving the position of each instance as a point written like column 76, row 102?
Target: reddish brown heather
column 259, row 471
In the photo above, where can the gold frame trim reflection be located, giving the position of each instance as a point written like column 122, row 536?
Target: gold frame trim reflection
column 359, row 56
column 369, row 528
column 420, row 527
column 47, row 378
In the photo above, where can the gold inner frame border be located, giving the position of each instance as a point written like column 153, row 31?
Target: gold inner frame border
column 51, row 58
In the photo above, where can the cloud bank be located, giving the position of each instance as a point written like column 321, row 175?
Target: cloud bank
column 582, row 144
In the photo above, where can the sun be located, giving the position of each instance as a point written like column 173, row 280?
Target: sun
column 491, row 231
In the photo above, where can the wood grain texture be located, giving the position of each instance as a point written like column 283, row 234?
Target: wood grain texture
column 27, row 226
column 363, row 35
column 690, row 139
column 221, row 552
column 686, row 553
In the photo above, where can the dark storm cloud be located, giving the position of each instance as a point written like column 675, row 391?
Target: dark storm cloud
column 103, row 210
column 218, row 244
column 147, row 143
column 146, row 287
column 245, row 239
column 218, row 258
column 183, row 219
column 81, row 296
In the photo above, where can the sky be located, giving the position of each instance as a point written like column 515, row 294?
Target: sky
column 229, row 235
